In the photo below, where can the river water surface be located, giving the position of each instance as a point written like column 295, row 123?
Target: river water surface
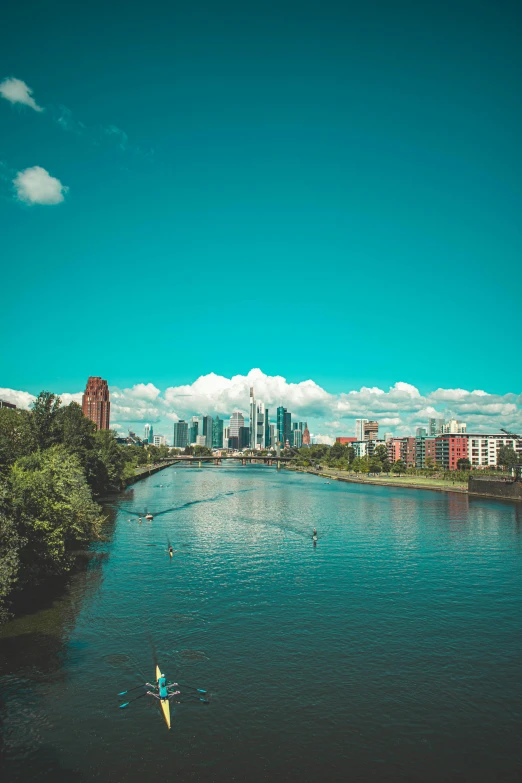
column 391, row 650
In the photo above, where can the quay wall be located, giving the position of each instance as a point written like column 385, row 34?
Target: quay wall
column 506, row 490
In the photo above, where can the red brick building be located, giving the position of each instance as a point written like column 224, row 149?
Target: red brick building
column 344, row 441
column 393, row 449
column 96, row 404
column 408, row 452
column 451, row 448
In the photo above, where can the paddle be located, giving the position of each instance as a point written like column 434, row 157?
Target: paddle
column 126, row 704
column 123, row 693
column 192, row 688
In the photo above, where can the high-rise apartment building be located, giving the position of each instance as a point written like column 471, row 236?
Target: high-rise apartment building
column 454, row 427
column 217, row 433
column 297, row 438
column 96, row 404
column 160, row 440
column 272, row 441
column 371, row 430
column 359, row 428
column 181, row 434
column 421, row 432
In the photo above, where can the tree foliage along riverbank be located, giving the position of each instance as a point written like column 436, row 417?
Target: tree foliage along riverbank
column 53, row 465
column 342, row 457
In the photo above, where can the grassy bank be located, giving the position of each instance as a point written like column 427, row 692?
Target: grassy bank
column 411, row 482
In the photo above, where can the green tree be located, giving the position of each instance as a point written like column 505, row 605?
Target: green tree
column 9, row 545
column 53, row 512
column 109, row 462
column 15, row 436
column 337, row 451
column 350, row 454
column 380, row 452
column 202, row 451
column 375, row 465
column 463, row 464
column 507, row 457
column 44, row 413
column 386, row 465
column 398, row 467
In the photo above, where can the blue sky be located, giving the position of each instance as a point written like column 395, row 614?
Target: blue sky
column 327, row 191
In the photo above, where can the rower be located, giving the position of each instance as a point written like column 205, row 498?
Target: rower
column 314, row 534
column 162, row 687
column 171, row 551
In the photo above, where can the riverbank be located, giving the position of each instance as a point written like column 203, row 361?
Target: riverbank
column 144, row 472
column 407, row 482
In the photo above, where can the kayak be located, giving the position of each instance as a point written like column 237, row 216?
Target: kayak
column 149, row 516
column 165, row 706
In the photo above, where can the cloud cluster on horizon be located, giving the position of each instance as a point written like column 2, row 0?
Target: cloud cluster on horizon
column 398, row 410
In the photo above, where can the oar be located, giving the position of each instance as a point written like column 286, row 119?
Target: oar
column 192, row 688
column 136, row 699
column 123, row 693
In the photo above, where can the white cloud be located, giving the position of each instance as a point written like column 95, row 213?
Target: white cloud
column 36, row 186
column 21, row 399
column 17, row 91
column 400, row 409
column 323, row 439
column 143, row 391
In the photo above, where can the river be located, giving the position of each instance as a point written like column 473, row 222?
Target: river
column 390, row 650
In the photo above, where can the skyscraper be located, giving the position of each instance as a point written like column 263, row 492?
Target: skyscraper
column 148, row 433
column 297, row 438
column 306, row 436
column 436, row 426
column 359, row 428
column 288, row 429
column 280, row 425
column 181, row 434
column 253, row 419
column 217, row 433
column 237, row 420
column 194, row 430
column 207, row 430
column 96, row 404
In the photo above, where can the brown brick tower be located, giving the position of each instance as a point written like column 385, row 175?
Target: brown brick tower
column 96, row 402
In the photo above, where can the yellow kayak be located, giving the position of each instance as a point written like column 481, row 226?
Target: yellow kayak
column 165, row 706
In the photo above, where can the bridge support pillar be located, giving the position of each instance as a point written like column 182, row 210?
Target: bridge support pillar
column 279, row 464
column 243, row 461
column 200, row 464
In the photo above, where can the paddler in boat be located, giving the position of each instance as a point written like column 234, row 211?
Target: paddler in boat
column 171, row 551
column 161, row 688
column 314, row 534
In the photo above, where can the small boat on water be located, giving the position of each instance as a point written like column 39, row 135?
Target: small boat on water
column 149, row 516
column 165, row 706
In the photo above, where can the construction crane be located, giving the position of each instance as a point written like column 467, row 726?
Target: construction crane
column 510, row 434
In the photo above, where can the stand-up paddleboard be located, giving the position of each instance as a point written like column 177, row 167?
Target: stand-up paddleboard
column 165, row 706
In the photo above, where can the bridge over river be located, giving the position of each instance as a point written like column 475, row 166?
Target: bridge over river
column 190, row 459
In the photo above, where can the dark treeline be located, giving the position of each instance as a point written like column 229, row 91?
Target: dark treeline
column 53, row 466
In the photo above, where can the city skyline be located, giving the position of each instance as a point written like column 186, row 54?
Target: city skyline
column 400, row 409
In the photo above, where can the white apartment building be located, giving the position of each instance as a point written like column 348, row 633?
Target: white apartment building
column 483, row 449
column 160, row 440
column 454, row 427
